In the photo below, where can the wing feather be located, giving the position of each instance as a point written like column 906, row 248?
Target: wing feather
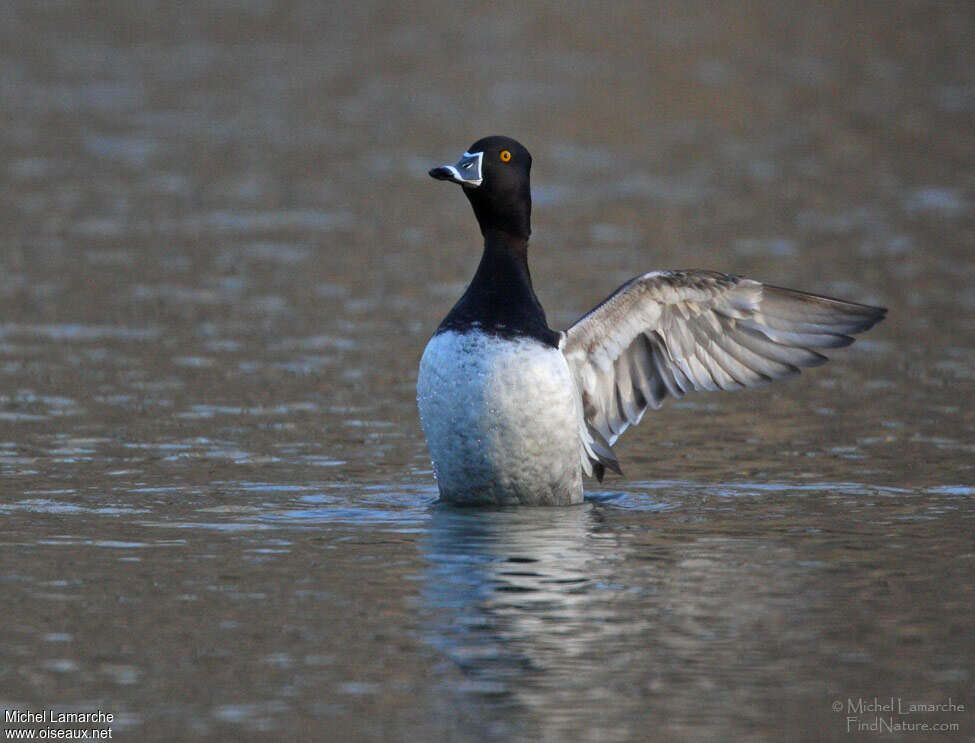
column 673, row 332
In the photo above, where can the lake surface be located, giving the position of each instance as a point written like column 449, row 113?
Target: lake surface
column 221, row 257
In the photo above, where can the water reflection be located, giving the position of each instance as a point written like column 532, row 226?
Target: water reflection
column 536, row 609
column 518, row 596
column 507, row 576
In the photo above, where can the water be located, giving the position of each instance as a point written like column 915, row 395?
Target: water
column 221, row 258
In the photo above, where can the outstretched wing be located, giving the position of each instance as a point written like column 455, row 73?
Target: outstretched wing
column 670, row 332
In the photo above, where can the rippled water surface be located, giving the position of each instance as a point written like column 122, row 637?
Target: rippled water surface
column 220, row 258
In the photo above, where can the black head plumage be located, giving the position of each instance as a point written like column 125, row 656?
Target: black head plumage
column 495, row 173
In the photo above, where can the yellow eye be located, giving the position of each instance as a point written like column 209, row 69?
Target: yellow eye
column 505, row 156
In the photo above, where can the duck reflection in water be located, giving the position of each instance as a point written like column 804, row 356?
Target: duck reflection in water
column 519, row 600
column 535, row 610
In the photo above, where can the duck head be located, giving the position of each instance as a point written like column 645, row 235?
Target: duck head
column 494, row 173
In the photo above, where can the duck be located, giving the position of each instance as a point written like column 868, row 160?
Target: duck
column 516, row 413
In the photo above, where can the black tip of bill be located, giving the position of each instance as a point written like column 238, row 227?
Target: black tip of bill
column 443, row 173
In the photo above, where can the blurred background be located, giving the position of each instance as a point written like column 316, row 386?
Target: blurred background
column 221, row 257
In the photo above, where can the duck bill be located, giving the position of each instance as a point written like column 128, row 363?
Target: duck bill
column 466, row 171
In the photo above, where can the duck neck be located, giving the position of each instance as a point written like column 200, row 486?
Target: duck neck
column 504, row 266
column 500, row 299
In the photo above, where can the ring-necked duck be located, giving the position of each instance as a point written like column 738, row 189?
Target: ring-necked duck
column 515, row 412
